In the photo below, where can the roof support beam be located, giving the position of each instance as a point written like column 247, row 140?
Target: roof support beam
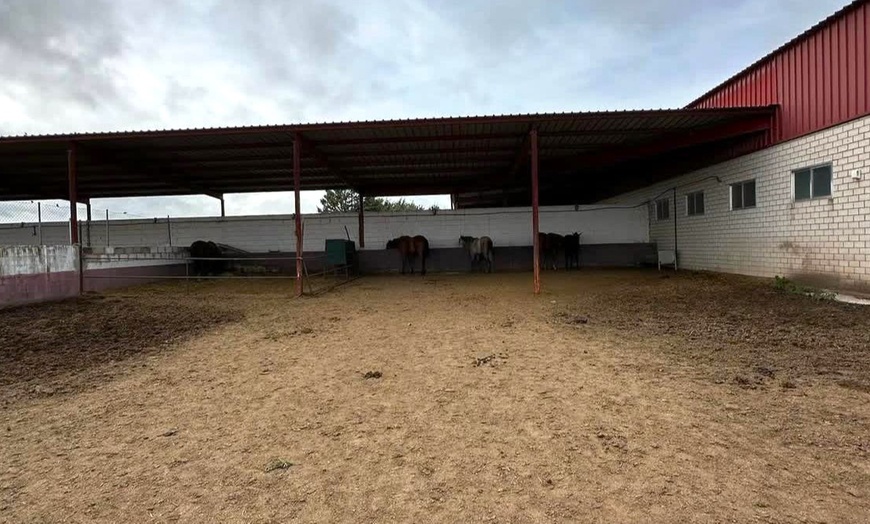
column 536, row 241
column 73, row 194
column 521, row 155
column 297, row 209
column 307, row 146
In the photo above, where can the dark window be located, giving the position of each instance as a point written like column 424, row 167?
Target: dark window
column 749, row 194
column 695, row 203
column 737, row 196
column 663, row 209
column 743, row 195
column 803, row 184
column 812, row 183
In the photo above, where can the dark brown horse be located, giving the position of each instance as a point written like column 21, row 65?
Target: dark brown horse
column 572, row 251
column 550, row 244
column 409, row 248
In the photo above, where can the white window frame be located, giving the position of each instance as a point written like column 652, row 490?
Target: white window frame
column 811, row 169
column 731, row 194
column 693, row 193
column 667, row 202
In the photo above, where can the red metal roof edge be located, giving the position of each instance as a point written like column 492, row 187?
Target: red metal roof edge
column 363, row 124
column 843, row 11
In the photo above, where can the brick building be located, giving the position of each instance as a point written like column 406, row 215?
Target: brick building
column 800, row 206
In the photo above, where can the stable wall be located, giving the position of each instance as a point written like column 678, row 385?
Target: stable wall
column 824, row 241
column 37, row 273
column 111, row 268
column 508, row 227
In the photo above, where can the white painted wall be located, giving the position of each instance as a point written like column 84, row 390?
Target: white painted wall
column 506, row 226
column 35, row 260
column 826, row 237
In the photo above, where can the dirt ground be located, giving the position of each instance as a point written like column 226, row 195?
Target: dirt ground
column 616, row 396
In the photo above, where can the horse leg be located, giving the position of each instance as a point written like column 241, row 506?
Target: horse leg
column 423, row 265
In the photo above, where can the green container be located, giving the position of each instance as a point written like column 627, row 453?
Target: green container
column 340, row 252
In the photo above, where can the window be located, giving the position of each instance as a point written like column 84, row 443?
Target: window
column 695, row 203
column 812, row 182
column 663, row 209
column 743, row 195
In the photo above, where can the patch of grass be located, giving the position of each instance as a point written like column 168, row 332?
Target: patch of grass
column 277, row 464
column 785, row 285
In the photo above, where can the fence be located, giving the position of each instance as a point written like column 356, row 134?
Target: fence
column 48, row 223
column 106, row 268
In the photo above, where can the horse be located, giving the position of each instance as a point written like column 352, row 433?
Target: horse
column 409, row 248
column 202, row 249
column 572, row 251
column 549, row 245
column 479, row 249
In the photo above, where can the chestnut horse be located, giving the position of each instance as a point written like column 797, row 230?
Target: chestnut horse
column 409, row 248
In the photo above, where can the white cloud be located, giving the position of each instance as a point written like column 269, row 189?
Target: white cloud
column 100, row 65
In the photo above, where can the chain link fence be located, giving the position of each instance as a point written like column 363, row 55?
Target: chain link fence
column 35, row 222
column 47, row 222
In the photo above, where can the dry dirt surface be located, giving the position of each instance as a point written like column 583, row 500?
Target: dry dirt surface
column 616, row 396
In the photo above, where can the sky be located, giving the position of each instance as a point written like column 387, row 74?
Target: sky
column 110, row 65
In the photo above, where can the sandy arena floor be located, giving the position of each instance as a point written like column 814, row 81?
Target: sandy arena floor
column 617, row 396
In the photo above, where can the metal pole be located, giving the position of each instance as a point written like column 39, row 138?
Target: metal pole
column 73, row 195
column 89, row 223
column 223, row 207
column 107, row 228
column 39, row 219
column 169, row 229
column 675, row 228
column 533, row 136
column 362, row 223
column 297, row 182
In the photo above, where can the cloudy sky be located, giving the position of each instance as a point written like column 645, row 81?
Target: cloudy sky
column 106, row 65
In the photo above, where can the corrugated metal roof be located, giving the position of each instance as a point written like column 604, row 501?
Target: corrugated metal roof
column 781, row 49
column 415, row 156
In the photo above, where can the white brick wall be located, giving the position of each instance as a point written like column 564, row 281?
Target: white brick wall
column 506, row 226
column 827, row 237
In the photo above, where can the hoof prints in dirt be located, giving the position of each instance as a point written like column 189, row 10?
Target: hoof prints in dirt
column 732, row 324
column 275, row 336
column 372, row 375
column 41, row 346
column 491, row 360
column 570, row 319
column 612, row 442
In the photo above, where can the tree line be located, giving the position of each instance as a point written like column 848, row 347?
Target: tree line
column 347, row 201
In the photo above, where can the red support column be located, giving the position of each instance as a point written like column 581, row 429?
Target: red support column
column 362, row 222
column 533, row 139
column 73, row 195
column 88, row 223
column 297, row 182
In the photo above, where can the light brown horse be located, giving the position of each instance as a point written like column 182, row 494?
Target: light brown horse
column 479, row 249
column 409, row 248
